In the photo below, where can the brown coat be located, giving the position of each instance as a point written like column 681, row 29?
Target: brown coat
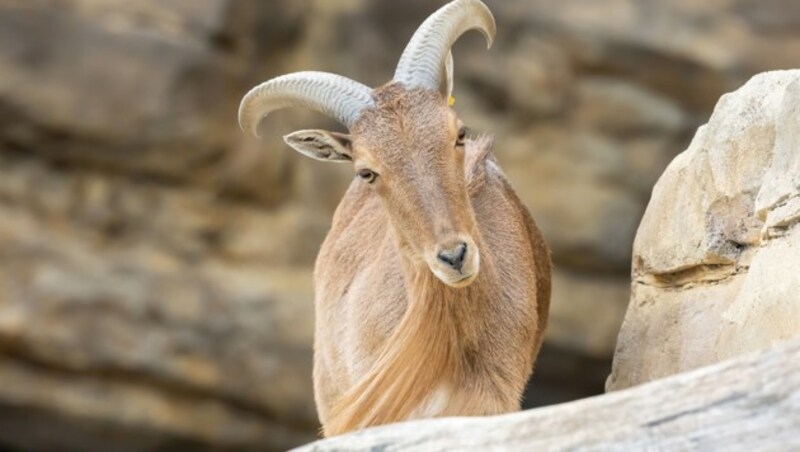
column 393, row 340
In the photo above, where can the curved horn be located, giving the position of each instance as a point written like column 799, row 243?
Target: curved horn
column 333, row 95
column 422, row 60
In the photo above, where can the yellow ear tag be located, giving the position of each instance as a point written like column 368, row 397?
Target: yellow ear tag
column 451, row 101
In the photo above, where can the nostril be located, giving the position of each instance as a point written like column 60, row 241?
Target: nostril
column 461, row 251
column 454, row 257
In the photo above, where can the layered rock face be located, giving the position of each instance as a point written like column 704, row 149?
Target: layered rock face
column 144, row 303
column 155, row 267
column 715, row 270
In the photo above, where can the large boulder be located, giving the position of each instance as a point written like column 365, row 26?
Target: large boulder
column 716, row 256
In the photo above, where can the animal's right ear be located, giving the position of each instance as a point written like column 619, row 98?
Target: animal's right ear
column 321, row 145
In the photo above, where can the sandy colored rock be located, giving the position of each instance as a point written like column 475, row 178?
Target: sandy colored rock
column 170, row 303
column 78, row 86
column 715, row 257
column 148, row 88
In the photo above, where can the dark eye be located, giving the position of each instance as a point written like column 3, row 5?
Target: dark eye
column 367, row 175
column 462, row 135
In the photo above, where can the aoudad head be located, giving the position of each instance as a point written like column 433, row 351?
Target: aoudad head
column 405, row 140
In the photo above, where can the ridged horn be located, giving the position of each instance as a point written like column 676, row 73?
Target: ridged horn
column 422, row 60
column 336, row 96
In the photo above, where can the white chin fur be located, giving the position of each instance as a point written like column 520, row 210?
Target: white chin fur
column 454, row 279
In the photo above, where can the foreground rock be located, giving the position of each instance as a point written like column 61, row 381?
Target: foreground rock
column 716, row 257
column 722, row 407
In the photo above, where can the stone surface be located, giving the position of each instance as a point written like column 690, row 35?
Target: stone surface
column 723, row 407
column 148, row 88
column 716, row 256
column 72, row 71
column 167, row 302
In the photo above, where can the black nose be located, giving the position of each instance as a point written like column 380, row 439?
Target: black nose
column 454, row 257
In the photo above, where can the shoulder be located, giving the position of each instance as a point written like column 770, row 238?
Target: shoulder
column 493, row 196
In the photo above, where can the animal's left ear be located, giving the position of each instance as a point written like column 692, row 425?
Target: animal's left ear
column 321, row 145
column 477, row 158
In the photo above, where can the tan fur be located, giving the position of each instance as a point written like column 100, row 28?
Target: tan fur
column 393, row 341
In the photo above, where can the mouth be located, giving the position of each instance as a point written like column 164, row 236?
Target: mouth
column 462, row 281
column 453, row 279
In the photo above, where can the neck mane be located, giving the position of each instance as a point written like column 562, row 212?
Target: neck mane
column 424, row 351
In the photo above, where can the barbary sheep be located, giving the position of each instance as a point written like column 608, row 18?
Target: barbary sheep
column 433, row 284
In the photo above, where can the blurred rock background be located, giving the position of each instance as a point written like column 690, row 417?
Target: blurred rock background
column 155, row 266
